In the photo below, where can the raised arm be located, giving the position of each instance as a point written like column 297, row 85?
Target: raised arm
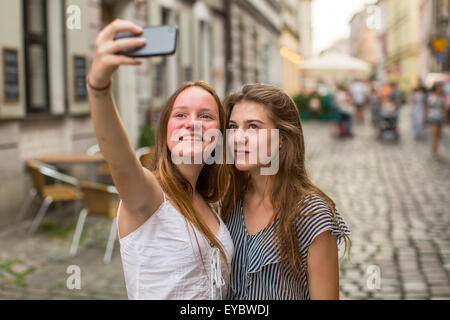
column 133, row 182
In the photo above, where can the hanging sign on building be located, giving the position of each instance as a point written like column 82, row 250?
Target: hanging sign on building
column 439, row 44
column 11, row 75
column 80, row 77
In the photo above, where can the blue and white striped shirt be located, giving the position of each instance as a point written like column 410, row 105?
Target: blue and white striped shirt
column 256, row 269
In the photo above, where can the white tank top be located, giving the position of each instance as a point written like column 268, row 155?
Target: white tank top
column 161, row 259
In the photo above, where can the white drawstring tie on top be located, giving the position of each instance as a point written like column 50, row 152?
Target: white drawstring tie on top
column 216, row 279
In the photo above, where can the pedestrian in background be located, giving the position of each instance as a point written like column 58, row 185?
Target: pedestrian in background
column 384, row 93
column 343, row 101
column 374, row 105
column 419, row 97
column 396, row 97
column 359, row 94
column 388, row 116
column 315, row 105
column 435, row 115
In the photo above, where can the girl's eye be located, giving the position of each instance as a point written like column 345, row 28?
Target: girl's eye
column 253, row 126
column 206, row 116
column 179, row 115
column 232, row 126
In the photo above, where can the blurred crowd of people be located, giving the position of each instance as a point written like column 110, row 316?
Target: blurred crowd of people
column 430, row 108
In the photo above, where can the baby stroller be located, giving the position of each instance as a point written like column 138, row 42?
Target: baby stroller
column 387, row 123
column 345, row 125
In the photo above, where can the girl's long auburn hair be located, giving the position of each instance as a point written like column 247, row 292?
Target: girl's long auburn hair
column 212, row 181
column 291, row 186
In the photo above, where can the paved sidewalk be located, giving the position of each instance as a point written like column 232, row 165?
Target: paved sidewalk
column 394, row 197
column 36, row 267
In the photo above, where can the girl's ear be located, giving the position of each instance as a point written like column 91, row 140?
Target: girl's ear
column 281, row 141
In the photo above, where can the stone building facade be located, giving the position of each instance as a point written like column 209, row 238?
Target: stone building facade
column 47, row 52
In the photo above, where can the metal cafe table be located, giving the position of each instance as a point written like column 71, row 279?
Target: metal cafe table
column 74, row 158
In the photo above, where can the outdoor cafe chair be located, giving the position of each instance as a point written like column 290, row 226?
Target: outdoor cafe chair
column 145, row 155
column 99, row 200
column 103, row 168
column 65, row 189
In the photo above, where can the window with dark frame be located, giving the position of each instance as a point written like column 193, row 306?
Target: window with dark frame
column 36, row 56
column 159, row 70
column 255, row 55
column 187, row 73
column 160, row 88
column 201, row 46
column 108, row 13
column 242, row 64
column 266, row 62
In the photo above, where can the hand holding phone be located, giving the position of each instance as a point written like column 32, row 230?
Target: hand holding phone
column 104, row 59
column 160, row 41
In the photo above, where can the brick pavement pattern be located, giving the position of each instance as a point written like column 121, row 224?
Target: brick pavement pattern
column 394, row 197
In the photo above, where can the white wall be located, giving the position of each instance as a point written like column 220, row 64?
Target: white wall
column 55, row 27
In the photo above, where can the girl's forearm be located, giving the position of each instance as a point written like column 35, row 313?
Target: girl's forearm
column 110, row 131
column 114, row 143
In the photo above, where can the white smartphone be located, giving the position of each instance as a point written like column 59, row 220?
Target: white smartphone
column 160, row 41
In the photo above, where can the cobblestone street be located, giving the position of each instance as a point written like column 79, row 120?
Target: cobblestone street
column 394, row 197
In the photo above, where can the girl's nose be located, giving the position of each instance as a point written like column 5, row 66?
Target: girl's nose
column 240, row 136
column 193, row 123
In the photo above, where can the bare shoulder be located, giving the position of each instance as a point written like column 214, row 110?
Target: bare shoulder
column 130, row 220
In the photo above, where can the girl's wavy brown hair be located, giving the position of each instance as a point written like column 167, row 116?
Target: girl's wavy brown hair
column 291, row 186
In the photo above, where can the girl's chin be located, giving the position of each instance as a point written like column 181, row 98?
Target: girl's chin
column 190, row 155
column 189, row 148
column 245, row 167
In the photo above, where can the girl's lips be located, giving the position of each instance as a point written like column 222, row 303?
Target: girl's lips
column 191, row 138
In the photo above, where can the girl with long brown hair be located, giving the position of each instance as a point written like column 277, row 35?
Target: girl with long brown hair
column 173, row 243
column 284, row 228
